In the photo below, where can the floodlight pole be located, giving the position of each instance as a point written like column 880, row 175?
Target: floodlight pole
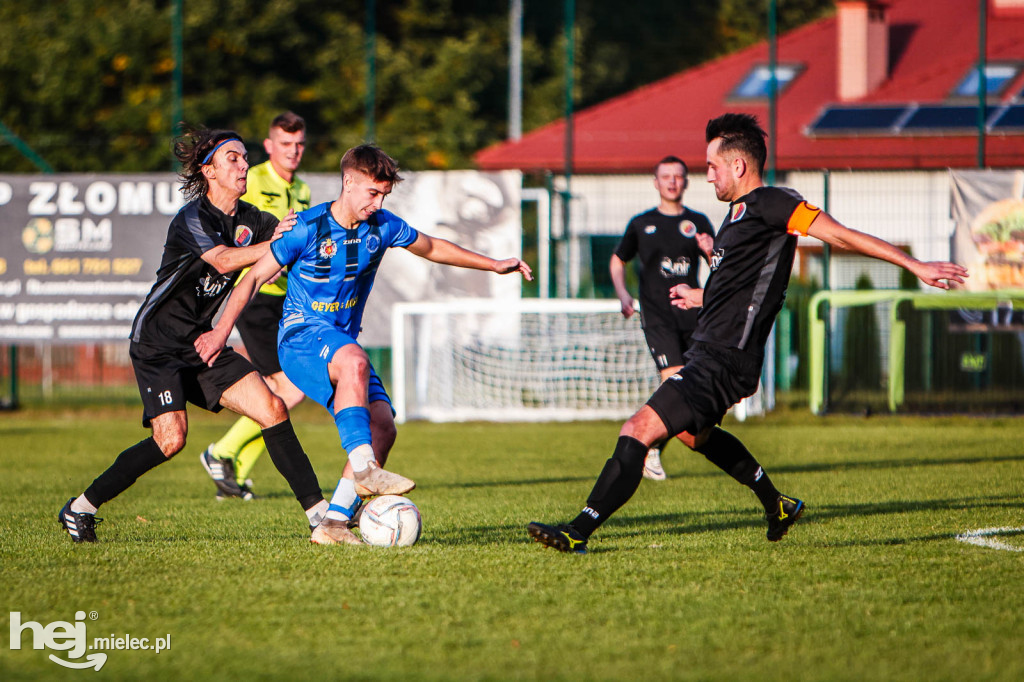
column 773, row 87
column 982, row 110
column 371, row 69
column 570, row 43
column 982, row 80
column 826, row 276
column 177, row 76
column 515, row 70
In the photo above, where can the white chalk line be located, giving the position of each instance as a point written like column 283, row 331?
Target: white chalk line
column 982, row 538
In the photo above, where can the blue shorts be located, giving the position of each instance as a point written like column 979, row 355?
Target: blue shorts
column 306, row 350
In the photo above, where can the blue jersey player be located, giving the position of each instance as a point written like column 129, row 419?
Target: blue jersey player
column 333, row 253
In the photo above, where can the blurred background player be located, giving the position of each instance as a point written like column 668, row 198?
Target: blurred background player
column 273, row 187
column 210, row 239
column 750, row 270
column 333, row 255
column 667, row 241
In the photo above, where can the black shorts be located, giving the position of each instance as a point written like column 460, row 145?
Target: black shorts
column 712, row 380
column 169, row 380
column 257, row 326
column 667, row 340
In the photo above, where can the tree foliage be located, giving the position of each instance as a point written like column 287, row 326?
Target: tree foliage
column 88, row 84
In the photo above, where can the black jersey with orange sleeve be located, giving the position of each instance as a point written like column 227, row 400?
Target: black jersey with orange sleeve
column 667, row 254
column 750, row 268
column 188, row 290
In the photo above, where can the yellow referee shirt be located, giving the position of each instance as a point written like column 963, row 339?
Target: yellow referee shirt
column 268, row 191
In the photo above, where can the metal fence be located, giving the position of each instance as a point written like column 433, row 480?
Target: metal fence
column 904, row 351
column 911, row 209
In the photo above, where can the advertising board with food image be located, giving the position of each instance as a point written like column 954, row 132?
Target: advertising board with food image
column 988, row 207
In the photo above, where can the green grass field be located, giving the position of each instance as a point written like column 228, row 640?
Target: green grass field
column 680, row 584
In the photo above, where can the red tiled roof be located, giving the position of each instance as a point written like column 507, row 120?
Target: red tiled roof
column 933, row 44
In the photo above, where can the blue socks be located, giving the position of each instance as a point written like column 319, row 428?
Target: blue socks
column 354, row 427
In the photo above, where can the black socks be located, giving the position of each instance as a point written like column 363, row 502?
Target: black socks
column 624, row 470
column 282, row 444
column 725, row 451
column 126, row 469
column 616, row 484
column 290, row 459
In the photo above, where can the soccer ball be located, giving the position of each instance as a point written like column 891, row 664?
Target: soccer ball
column 390, row 521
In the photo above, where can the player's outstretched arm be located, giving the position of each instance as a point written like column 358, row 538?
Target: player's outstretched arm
column 446, row 253
column 210, row 344
column 233, row 258
column 937, row 274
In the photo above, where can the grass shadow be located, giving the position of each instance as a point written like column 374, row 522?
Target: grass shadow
column 710, row 521
column 904, row 463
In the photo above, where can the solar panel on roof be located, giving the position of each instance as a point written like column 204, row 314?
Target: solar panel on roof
column 842, row 119
column 911, row 119
column 1012, row 118
column 939, row 118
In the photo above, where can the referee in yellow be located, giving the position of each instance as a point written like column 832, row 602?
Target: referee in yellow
column 272, row 187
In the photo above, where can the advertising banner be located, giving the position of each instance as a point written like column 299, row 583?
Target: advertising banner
column 988, row 207
column 79, row 253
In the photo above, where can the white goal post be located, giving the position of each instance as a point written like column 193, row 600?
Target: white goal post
column 521, row 360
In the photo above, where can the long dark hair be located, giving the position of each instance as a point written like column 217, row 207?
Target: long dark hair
column 191, row 149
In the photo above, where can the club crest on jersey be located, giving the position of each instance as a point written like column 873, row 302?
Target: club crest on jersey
column 328, row 248
column 243, row 235
column 738, row 211
column 372, row 243
column 688, row 229
column 650, row 229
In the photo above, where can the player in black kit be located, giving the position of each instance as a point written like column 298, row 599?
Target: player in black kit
column 666, row 241
column 750, row 269
column 210, row 239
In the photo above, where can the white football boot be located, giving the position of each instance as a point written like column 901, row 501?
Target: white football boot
column 334, row 532
column 652, row 466
column 376, row 481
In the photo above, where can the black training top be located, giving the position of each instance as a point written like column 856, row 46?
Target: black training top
column 668, row 255
column 750, row 267
column 188, row 290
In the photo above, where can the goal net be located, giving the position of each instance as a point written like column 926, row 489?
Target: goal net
column 521, row 360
